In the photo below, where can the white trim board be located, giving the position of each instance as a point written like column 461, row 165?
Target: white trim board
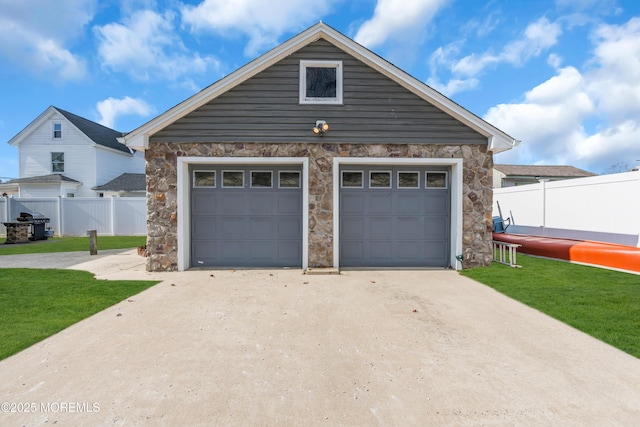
column 184, row 198
column 456, row 197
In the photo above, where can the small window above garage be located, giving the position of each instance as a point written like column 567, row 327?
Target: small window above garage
column 320, row 82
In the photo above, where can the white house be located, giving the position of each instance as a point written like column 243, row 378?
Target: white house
column 62, row 154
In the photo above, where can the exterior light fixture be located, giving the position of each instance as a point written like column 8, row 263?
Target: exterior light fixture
column 321, row 127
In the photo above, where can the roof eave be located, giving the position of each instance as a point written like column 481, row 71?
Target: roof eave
column 497, row 140
column 499, row 144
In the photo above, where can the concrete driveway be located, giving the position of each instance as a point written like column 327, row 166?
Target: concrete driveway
column 276, row 347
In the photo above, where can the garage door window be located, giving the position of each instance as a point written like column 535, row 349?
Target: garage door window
column 204, row 179
column 408, row 179
column 379, row 179
column 352, row 179
column 232, row 179
column 261, row 179
column 289, row 179
column 436, row 180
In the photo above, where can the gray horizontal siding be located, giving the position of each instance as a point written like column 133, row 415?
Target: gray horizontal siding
column 265, row 108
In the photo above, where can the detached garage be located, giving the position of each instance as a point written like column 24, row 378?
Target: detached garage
column 318, row 154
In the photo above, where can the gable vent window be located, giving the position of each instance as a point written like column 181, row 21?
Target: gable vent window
column 321, row 82
column 57, row 162
column 57, row 131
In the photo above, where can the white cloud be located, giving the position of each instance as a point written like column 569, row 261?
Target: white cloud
column 111, row 108
column 553, row 120
column 392, row 18
column 537, row 37
column 36, row 41
column 262, row 23
column 453, row 86
column 615, row 81
column 146, row 46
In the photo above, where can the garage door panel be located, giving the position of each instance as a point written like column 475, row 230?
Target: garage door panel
column 230, row 227
column 290, row 203
column 409, row 202
column 247, row 226
column 352, row 203
column 232, row 203
column 380, row 202
column 352, row 251
column 436, row 228
column 233, row 250
column 409, row 227
column 289, row 250
column 436, row 251
column 379, row 227
column 261, row 251
column 260, row 203
column 353, row 228
column 380, row 250
column 204, row 226
column 436, row 203
column 407, row 250
column 289, row 227
column 205, row 203
column 261, row 227
column 203, row 250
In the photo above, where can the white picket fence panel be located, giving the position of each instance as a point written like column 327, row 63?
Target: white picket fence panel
column 603, row 208
column 111, row 216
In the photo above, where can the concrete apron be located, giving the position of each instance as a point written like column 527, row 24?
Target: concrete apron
column 276, row 347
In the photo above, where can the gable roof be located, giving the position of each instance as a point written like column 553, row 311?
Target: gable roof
column 497, row 140
column 54, row 178
column 96, row 132
column 542, row 171
column 125, row 182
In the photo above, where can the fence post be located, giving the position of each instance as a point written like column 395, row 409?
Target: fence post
column 93, row 242
column 113, row 215
column 60, row 219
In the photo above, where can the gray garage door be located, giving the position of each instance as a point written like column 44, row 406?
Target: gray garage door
column 246, row 216
column 394, row 216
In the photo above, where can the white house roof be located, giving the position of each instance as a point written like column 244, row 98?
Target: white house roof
column 95, row 132
column 497, row 140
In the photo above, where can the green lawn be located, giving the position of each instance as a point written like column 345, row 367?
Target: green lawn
column 602, row 303
column 35, row 304
column 71, row 244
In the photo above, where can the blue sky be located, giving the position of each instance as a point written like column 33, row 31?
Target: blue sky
column 562, row 76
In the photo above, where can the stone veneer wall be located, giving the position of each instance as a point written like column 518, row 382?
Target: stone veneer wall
column 161, row 161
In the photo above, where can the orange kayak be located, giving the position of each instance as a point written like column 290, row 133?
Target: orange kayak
column 602, row 254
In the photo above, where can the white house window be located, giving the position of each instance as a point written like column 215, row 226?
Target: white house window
column 57, row 130
column 321, row 82
column 57, row 162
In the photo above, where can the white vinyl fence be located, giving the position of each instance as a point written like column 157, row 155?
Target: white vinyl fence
column 603, row 208
column 110, row 216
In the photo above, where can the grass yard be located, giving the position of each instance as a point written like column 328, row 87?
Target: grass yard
column 35, row 304
column 602, row 303
column 71, row 244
